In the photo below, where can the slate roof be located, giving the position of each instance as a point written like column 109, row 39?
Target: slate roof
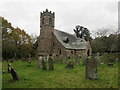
column 73, row 41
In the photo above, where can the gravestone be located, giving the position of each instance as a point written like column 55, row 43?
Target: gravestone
column 44, row 64
column 91, row 68
column 14, row 74
column 84, row 58
column 9, row 68
column 50, row 62
column 69, row 65
column 110, row 64
column 77, row 61
column 66, row 60
column 40, row 62
column 30, row 57
column 60, row 59
column 3, row 70
column 97, row 58
column 29, row 61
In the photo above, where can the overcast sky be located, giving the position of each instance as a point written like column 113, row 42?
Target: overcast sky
column 68, row 13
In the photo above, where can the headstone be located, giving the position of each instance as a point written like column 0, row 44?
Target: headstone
column 110, row 64
column 40, row 62
column 77, row 61
column 91, row 68
column 47, row 57
column 60, row 59
column 69, row 65
column 9, row 68
column 97, row 58
column 84, row 58
column 30, row 57
column 44, row 64
column 50, row 62
column 14, row 74
column 66, row 60
column 29, row 61
column 3, row 70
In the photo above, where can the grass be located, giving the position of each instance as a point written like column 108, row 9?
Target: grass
column 33, row 77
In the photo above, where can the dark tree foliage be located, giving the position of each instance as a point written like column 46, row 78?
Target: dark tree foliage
column 82, row 32
column 16, row 43
column 105, row 44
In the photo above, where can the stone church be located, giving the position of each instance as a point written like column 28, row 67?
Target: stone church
column 59, row 43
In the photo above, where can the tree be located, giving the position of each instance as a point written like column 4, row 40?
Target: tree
column 82, row 32
column 77, row 30
column 15, row 42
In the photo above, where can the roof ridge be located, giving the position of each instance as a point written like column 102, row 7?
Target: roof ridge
column 66, row 33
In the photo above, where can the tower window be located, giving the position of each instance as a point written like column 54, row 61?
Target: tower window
column 42, row 21
column 50, row 21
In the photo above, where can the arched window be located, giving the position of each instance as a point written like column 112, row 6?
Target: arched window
column 60, row 51
column 88, row 52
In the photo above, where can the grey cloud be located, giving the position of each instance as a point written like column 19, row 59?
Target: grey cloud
column 92, row 15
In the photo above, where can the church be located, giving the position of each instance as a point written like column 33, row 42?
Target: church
column 59, row 43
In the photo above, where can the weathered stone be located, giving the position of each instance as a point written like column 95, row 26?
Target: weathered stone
column 9, row 68
column 50, row 62
column 97, row 58
column 60, row 59
column 40, row 62
column 84, row 58
column 3, row 70
column 29, row 61
column 91, row 68
column 53, row 41
column 77, row 60
column 14, row 74
column 66, row 60
column 69, row 65
column 44, row 64
column 29, row 57
column 110, row 64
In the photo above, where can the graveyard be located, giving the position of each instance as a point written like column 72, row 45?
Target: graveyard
column 30, row 76
column 65, row 48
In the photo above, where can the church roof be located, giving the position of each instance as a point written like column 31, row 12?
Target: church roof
column 70, row 41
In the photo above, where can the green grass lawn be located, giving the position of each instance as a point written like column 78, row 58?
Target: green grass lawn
column 33, row 77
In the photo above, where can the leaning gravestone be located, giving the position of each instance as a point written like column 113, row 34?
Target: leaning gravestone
column 44, row 64
column 91, row 68
column 14, row 74
column 9, row 68
column 50, row 62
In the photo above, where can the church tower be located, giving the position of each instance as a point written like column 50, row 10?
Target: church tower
column 46, row 32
